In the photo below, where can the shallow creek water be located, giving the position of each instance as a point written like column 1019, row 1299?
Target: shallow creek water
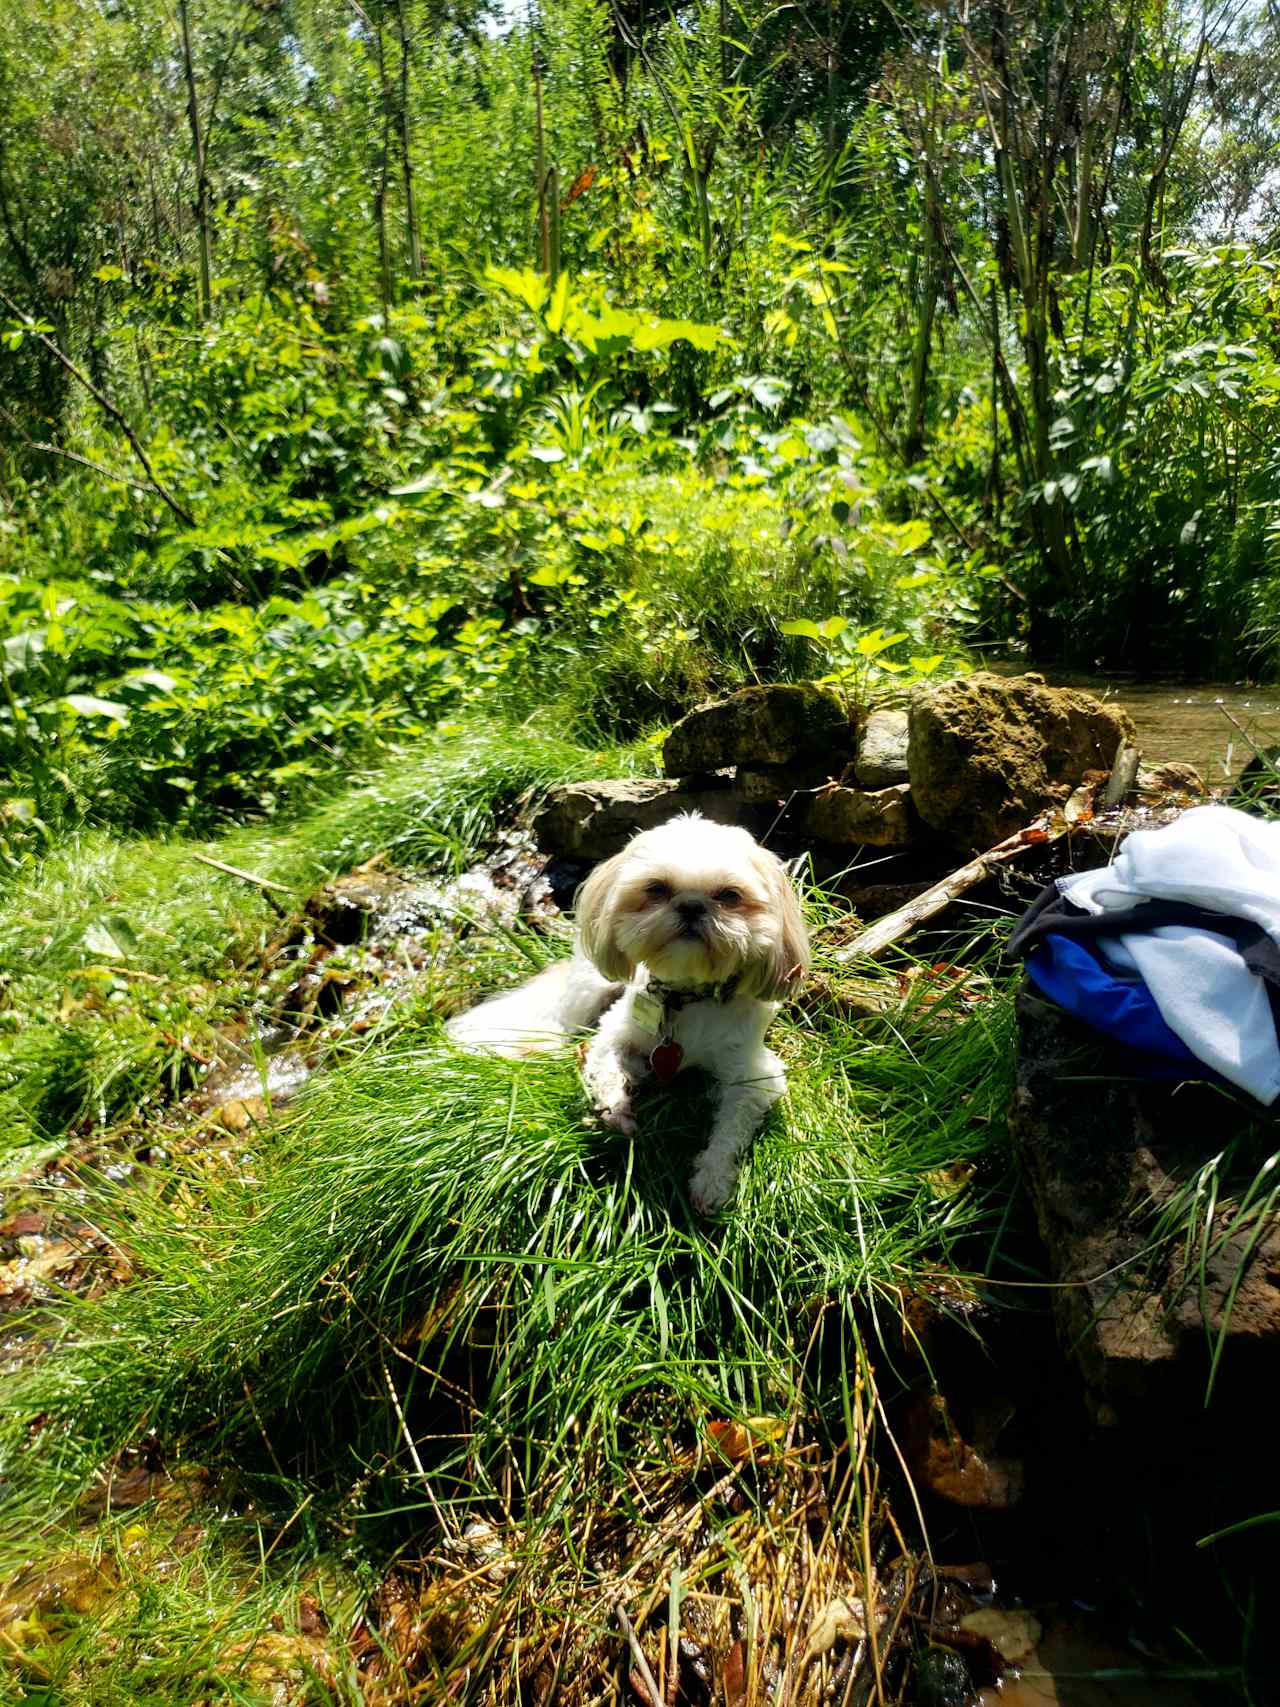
column 1190, row 721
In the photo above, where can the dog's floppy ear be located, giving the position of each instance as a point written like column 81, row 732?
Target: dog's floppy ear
column 596, row 921
column 778, row 970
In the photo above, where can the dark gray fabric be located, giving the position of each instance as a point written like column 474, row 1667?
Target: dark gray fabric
column 1052, row 912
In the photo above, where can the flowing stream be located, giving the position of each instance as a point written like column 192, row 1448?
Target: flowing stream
column 1214, row 726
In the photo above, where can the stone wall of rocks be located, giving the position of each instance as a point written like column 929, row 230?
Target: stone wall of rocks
column 962, row 765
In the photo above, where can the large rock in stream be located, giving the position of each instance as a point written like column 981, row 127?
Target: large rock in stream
column 989, row 753
column 594, row 820
column 1110, row 1162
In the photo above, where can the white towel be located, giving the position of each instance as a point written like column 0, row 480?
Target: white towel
column 1228, row 862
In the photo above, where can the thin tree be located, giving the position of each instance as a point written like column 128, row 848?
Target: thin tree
column 202, row 129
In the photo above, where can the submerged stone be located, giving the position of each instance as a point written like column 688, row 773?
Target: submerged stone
column 940, row 1678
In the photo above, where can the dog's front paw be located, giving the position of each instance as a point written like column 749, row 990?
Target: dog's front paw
column 711, row 1188
column 618, row 1115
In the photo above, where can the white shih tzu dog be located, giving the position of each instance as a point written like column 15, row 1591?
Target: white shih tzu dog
column 687, row 942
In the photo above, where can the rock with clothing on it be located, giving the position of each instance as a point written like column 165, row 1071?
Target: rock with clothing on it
column 1164, row 963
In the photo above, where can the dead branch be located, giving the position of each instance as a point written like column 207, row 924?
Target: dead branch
column 642, row 1664
column 266, row 884
column 107, row 406
column 868, row 944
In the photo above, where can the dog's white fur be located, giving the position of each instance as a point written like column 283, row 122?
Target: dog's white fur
column 693, row 905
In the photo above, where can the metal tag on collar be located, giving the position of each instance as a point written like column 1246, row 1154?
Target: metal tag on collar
column 666, row 1058
column 646, row 1010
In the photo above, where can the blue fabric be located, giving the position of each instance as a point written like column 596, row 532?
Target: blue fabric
column 1121, row 1008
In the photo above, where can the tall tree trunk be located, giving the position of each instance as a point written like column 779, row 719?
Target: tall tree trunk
column 930, row 279
column 540, row 166
column 384, row 170
column 406, row 151
column 203, row 235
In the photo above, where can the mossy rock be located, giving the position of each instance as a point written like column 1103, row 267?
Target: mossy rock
column 989, row 753
column 762, row 726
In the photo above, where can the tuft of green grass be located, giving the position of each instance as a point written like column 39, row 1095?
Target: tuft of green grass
column 118, row 957
column 180, row 1600
column 440, row 1246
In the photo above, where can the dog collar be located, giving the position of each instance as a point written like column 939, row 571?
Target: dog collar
column 654, row 1009
column 674, row 999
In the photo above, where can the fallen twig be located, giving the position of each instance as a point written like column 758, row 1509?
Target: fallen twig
column 894, row 926
column 266, row 884
column 637, row 1654
column 127, row 972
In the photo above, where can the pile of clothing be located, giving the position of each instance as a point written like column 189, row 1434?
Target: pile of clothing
column 1172, row 949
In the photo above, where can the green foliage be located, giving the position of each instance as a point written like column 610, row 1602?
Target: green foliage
column 462, row 1199
column 857, row 662
column 853, row 349
column 420, row 474
column 119, row 959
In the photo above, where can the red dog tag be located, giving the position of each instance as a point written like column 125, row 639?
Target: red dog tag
column 665, row 1060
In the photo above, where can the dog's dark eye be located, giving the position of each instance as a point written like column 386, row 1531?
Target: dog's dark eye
column 658, row 891
column 727, row 897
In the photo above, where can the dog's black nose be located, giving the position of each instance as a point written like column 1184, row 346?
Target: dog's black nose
column 691, row 909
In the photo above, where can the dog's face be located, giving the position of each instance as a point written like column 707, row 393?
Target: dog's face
column 697, row 903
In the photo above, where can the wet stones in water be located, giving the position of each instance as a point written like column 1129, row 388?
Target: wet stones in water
column 1172, row 778
column 939, row 1678
column 955, row 1469
column 345, row 909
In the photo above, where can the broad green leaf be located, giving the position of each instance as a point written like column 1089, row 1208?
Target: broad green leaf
column 89, row 705
column 559, row 304
column 659, row 334
column 802, row 626
column 910, row 536
column 876, row 641
column 111, row 938
column 522, row 283
column 20, row 649
column 151, row 679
